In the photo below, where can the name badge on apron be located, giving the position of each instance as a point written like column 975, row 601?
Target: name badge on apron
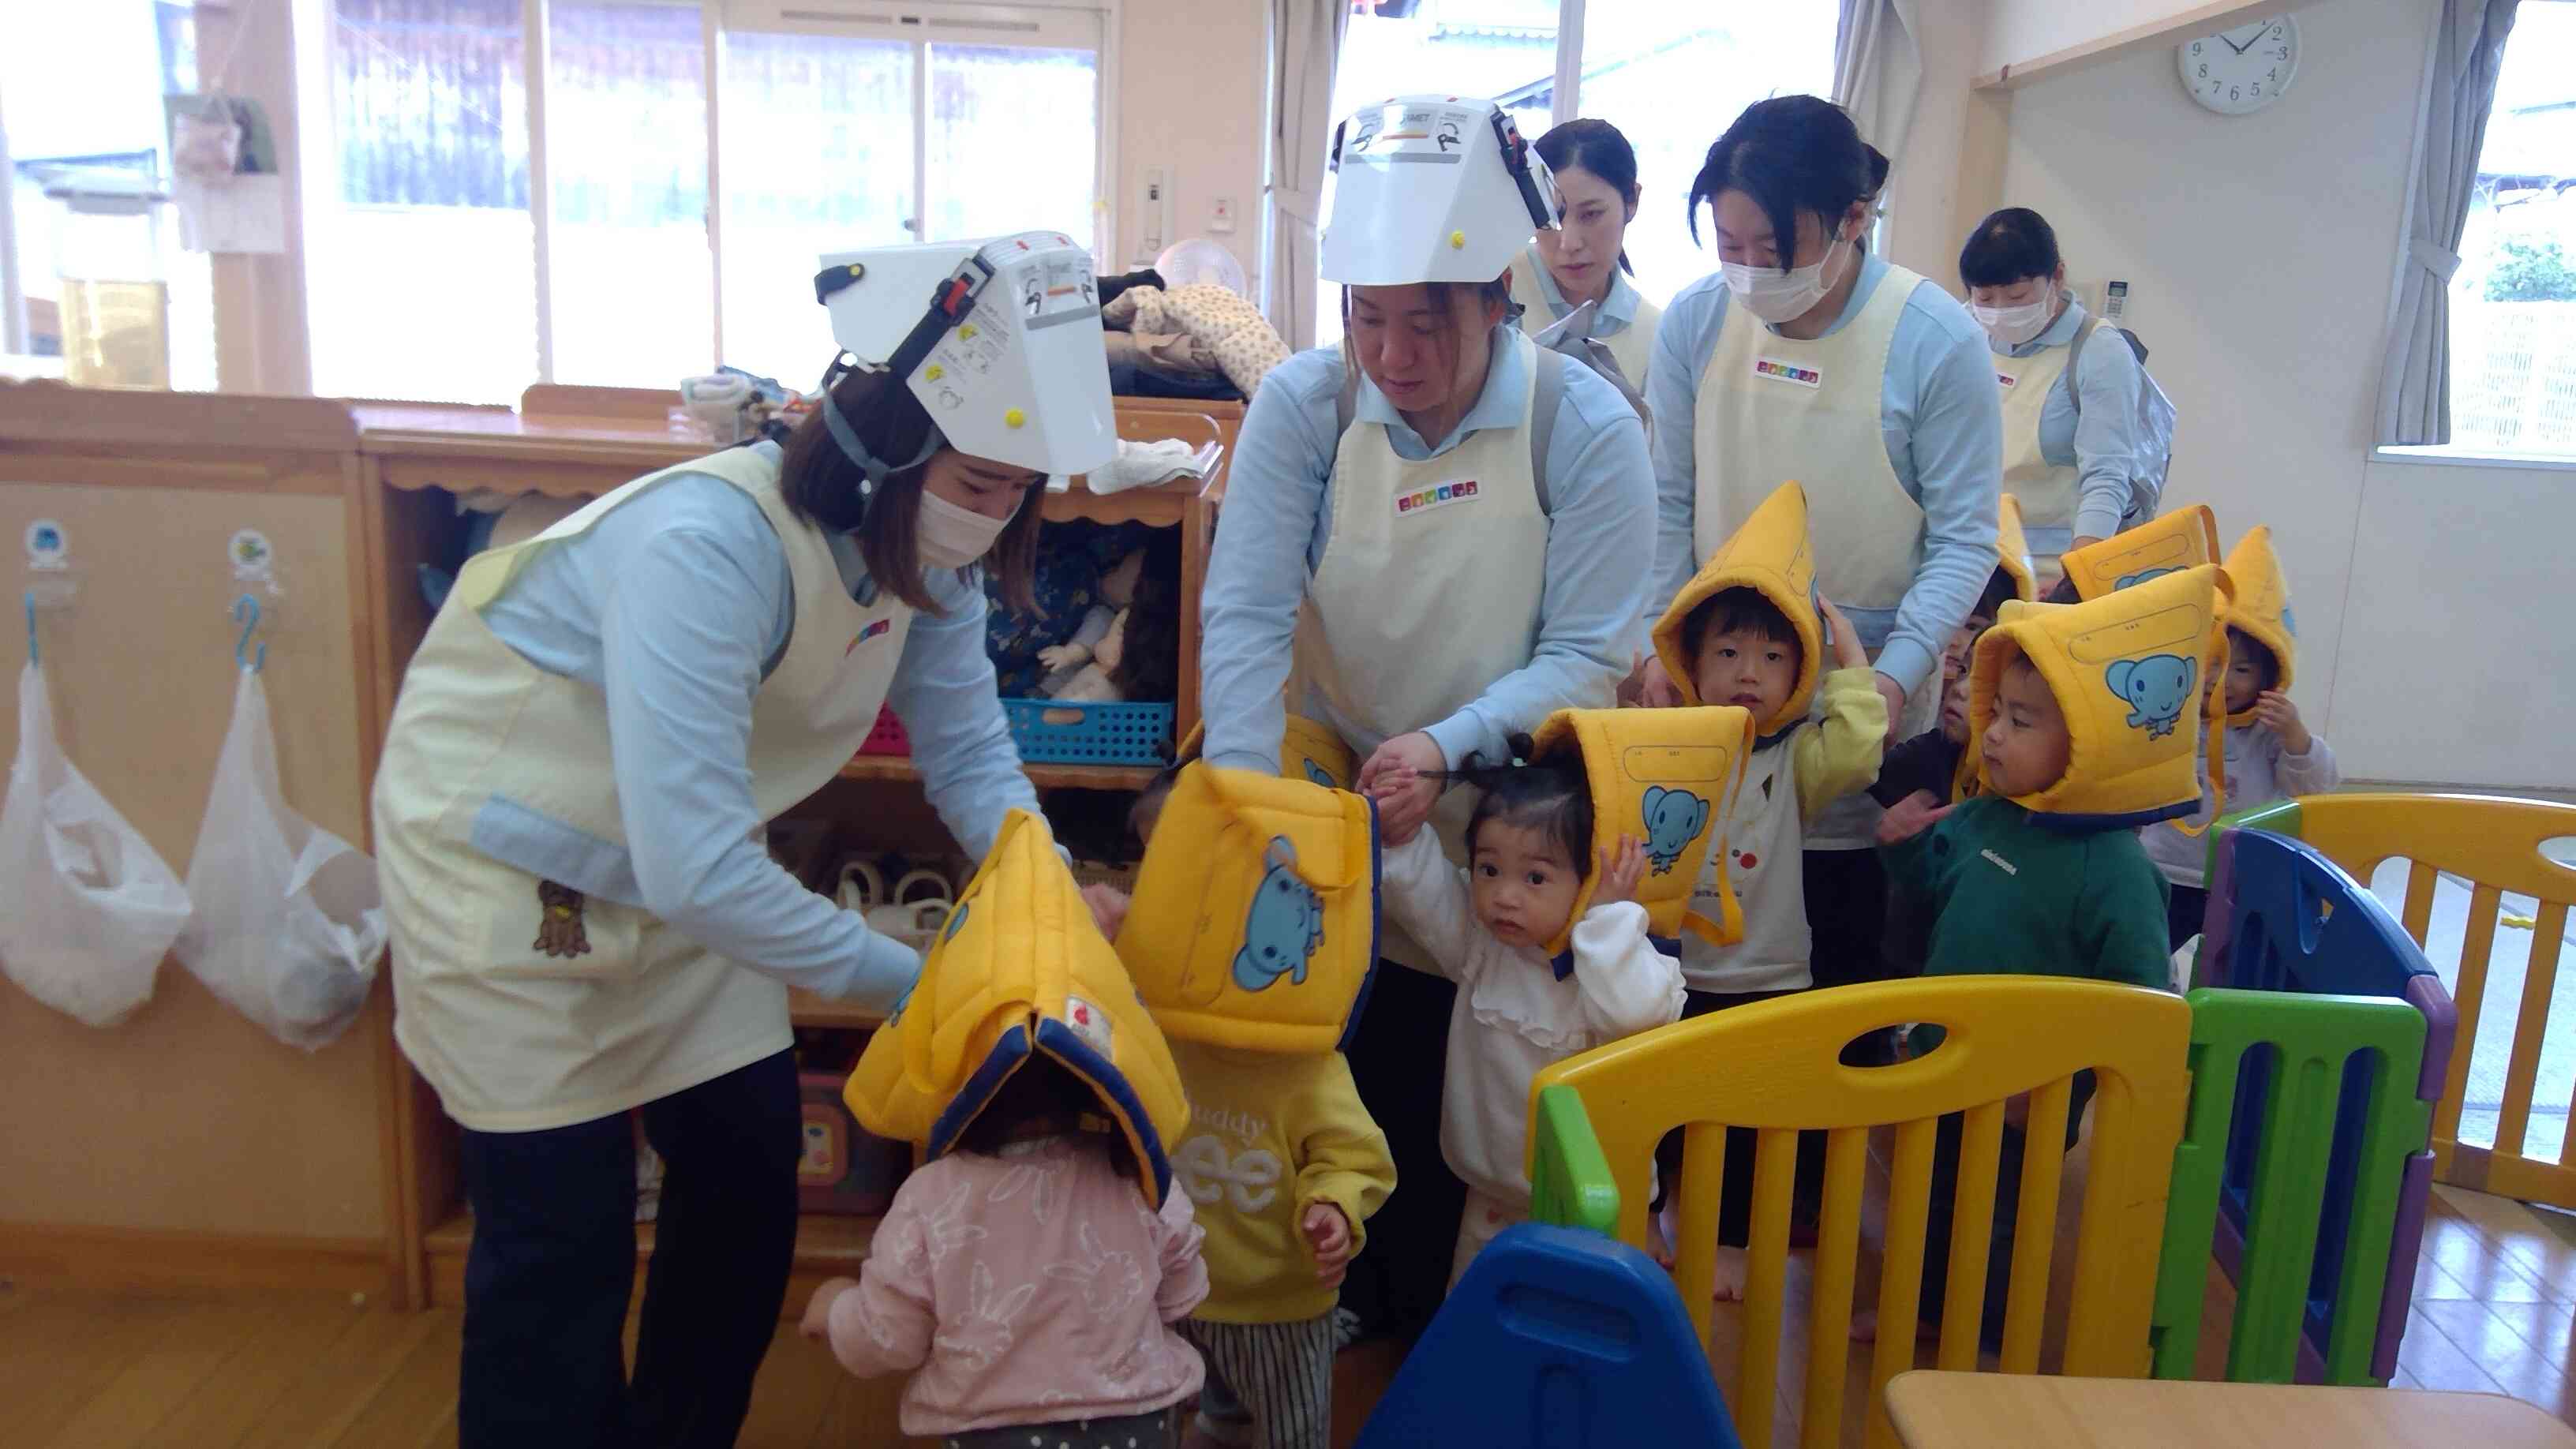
column 1439, row 495
column 2005, row 379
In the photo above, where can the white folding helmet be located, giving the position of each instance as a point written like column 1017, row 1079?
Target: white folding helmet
column 1433, row 189
column 999, row 339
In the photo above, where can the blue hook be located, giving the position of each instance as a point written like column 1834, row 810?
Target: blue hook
column 34, row 655
column 246, row 614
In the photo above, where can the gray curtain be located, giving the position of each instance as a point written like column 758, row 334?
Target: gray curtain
column 1305, row 44
column 2415, row 382
column 1878, row 70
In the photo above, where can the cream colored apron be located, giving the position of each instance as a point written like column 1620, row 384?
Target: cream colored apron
column 1772, row 409
column 2047, row 491
column 535, row 1000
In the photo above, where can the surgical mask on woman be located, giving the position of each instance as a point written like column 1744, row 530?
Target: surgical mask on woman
column 1776, row 298
column 2013, row 326
column 950, row 537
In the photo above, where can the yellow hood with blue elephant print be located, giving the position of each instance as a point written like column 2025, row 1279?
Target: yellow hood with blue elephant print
column 1254, row 920
column 2012, row 550
column 1309, row 752
column 2261, row 607
column 2183, row 539
column 1665, row 776
column 1020, row 969
column 1771, row 555
column 2129, row 671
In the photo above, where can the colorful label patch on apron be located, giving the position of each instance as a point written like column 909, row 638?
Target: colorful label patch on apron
column 1462, row 491
column 2006, row 380
column 1780, row 370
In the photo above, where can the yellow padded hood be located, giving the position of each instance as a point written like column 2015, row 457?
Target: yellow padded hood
column 1771, row 555
column 1254, row 920
column 2129, row 672
column 1020, row 969
column 1665, row 776
column 2012, row 550
column 1310, row 752
column 2262, row 605
column 2186, row 538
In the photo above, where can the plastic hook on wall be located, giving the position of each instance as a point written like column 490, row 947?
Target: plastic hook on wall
column 246, row 614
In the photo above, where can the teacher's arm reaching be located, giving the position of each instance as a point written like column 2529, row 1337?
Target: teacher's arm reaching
column 1956, row 449
column 943, row 693
column 1257, row 572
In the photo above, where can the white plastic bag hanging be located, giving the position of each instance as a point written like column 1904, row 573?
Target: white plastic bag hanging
column 87, row 907
column 288, row 921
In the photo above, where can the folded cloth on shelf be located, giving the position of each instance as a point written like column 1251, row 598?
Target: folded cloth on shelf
column 1245, row 343
column 1142, row 465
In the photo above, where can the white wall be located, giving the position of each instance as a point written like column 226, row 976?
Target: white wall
column 2261, row 252
column 2025, row 30
column 1191, row 79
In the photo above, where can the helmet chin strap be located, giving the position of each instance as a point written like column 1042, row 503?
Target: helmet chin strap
column 877, row 469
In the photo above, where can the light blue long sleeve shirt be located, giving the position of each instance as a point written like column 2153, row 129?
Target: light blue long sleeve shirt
column 676, row 606
column 1278, row 514
column 2092, row 423
column 1940, row 418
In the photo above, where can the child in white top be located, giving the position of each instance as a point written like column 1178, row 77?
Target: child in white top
column 1519, row 1010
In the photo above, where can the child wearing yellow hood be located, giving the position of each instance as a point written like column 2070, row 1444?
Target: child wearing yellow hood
column 2086, row 718
column 2271, row 753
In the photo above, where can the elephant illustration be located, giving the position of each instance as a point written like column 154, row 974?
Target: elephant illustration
column 1284, row 926
column 1674, row 818
column 2157, row 690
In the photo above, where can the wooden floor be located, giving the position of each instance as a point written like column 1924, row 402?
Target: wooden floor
column 2494, row 1301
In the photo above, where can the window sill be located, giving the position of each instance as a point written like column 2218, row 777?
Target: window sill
column 2452, row 455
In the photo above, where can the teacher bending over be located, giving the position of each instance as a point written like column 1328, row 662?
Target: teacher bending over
column 569, row 823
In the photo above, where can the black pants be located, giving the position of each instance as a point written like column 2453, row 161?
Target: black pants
column 1847, row 924
column 553, row 1265
column 2185, row 911
column 1735, row 1198
column 1999, row 1251
column 1398, row 1058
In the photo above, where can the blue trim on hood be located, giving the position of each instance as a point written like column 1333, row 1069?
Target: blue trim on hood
column 2074, row 824
column 1062, row 1043
column 1005, row 1058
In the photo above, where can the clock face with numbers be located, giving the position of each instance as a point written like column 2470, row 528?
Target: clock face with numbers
column 2245, row 69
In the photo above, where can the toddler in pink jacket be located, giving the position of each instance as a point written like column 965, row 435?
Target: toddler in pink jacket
column 1024, row 1283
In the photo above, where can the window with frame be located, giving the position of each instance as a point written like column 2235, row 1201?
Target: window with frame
column 1670, row 77
column 696, row 159
column 80, row 105
column 2513, row 300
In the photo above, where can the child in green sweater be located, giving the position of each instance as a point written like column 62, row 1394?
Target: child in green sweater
column 2086, row 718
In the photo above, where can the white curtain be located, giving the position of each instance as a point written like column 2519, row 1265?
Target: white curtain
column 1878, row 71
column 2415, row 381
column 1305, row 43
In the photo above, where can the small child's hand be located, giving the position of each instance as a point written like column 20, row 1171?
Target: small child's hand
column 1108, row 908
column 1061, row 656
column 2275, row 711
column 1655, row 687
column 1328, row 1236
column 1848, row 653
column 1910, row 817
column 818, row 1309
column 1621, row 868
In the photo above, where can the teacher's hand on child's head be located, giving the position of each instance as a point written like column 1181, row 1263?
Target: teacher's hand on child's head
column 1848, row 653
column 818, row 1309
column 1655, row 687
column 1108, row 908
column 1328, row 1236
column 1622, row 866
column 1910, row 817
column 1403, row 776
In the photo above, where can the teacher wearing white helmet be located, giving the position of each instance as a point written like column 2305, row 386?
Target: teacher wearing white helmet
column 1810, row 358
column 1453, row 529
column 569, row 822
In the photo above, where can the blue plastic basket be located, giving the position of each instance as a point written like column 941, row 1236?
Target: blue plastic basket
column 1052, row 732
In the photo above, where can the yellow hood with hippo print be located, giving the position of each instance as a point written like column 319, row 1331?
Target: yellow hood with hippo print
column 1772, row 556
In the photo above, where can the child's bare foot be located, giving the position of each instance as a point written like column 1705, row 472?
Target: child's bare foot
column 1864, row 1327
column 1731, row 1273
column 1659, row 1236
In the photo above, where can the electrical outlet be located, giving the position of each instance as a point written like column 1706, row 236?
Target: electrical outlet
column 1221, row 214
column 1158, row 210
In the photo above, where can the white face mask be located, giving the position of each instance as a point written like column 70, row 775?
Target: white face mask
column 950, row 537
column 1777, row 298
column 2013, row 326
